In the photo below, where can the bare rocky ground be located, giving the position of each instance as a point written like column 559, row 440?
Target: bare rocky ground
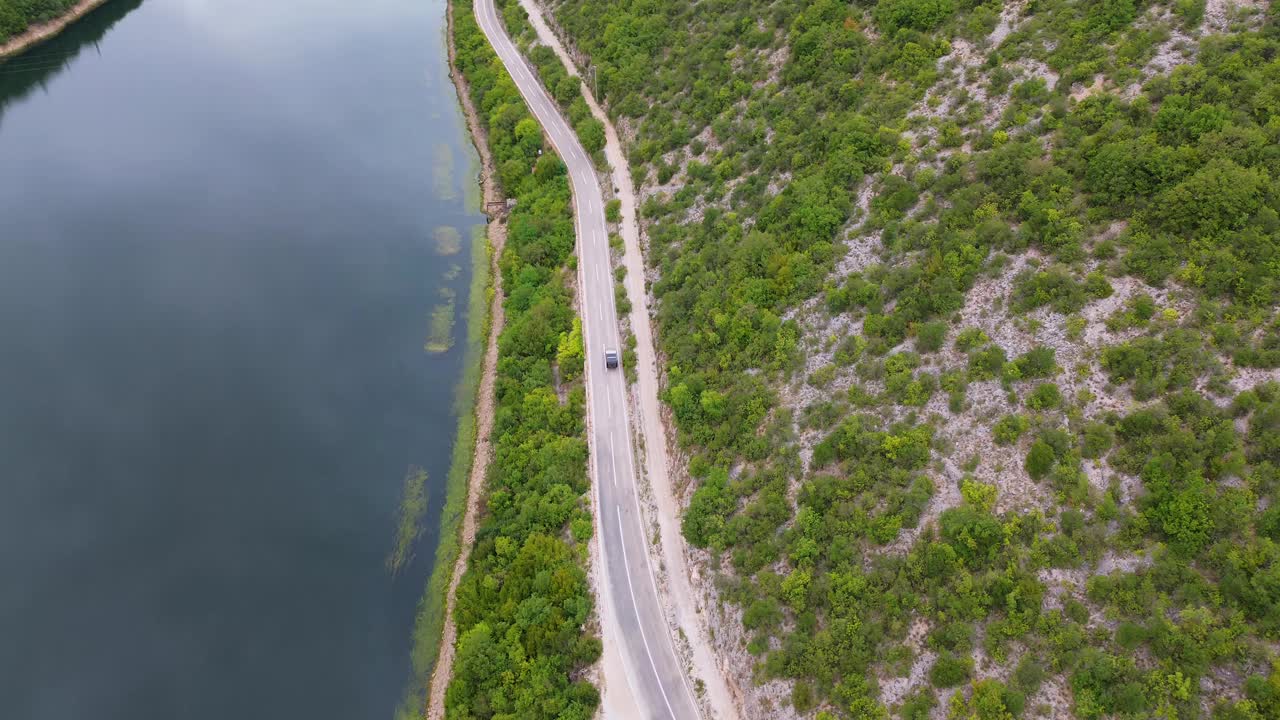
column 1219, row 14
column 963, row 60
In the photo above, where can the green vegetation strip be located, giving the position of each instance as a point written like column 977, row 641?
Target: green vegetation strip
column 523, row 604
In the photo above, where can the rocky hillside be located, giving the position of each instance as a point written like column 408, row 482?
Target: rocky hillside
column 968, row 314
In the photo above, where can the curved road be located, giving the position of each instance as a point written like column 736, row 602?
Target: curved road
column 656, row 675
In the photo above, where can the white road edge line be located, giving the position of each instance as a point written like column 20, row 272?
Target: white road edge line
column 640, row 625
column 613, row 475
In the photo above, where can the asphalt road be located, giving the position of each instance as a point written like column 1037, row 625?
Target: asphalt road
column 657, row 678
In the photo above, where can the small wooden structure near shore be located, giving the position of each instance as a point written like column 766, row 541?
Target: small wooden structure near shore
column 499, row 208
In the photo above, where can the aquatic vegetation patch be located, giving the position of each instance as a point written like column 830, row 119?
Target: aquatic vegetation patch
column 440, row 327
column 448, row 240
column 413, row 505
column 442, row 173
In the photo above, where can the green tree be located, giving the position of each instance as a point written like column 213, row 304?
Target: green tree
column 704, row 520
column 1219, row 198
column 591, row 133
column 950, row 671
column 1045, row 396
column 529, row 137
column 1040, row 459
column 975, row 534
column 931, row 336
column 915, row 14
column 569, row 353
column 987, row 700
column 1009, row 428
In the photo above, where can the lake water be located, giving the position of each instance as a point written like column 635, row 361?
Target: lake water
column 224, row 230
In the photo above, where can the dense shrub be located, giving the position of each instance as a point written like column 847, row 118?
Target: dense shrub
column 914, row 14
column 950, row 671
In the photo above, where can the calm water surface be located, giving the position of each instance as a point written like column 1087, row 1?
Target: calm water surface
column 220, row 250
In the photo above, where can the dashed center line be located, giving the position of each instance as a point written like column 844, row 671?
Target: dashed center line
column 613, row 467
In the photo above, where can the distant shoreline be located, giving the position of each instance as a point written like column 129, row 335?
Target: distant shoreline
column 37, row 34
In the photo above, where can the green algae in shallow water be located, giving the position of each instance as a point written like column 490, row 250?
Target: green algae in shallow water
column 428, row 626
column 446, row 187
column 448, row 240
column 472, row 179
column 413, row 505
column 472, row 193
column 440, row 333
